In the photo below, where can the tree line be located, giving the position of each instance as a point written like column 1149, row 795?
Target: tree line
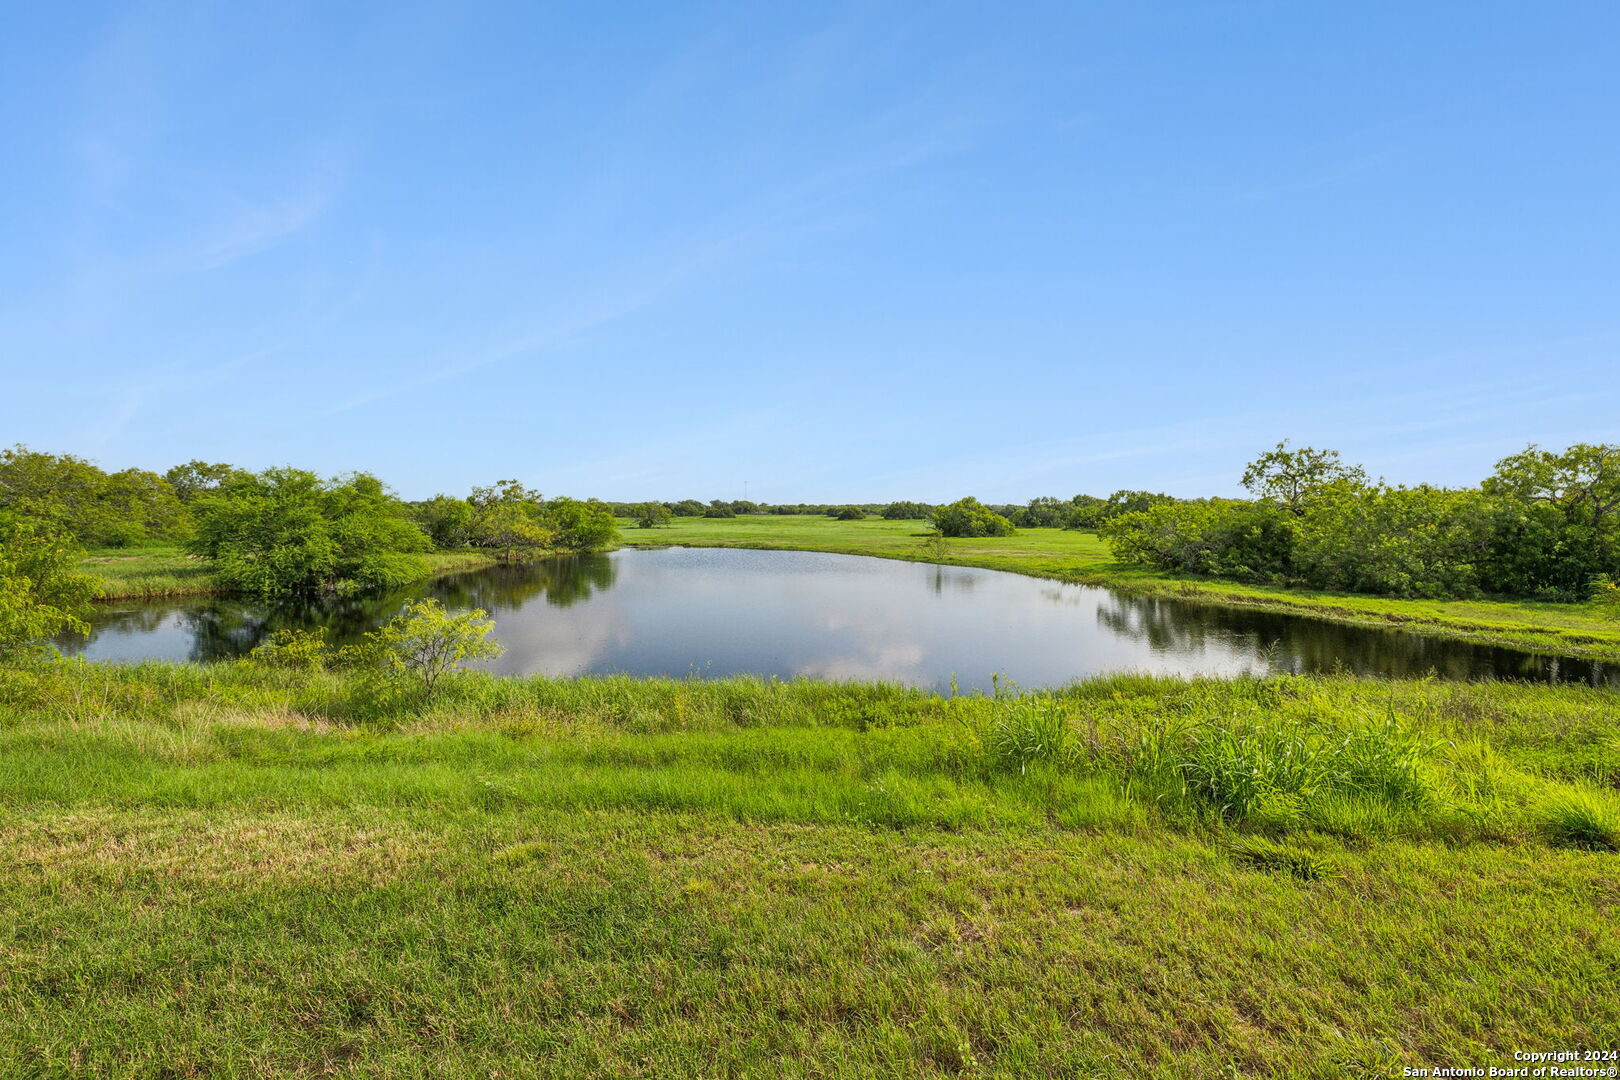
column 1544, row 524
column 1079, row 512
column 272, row 532
column 730, row 508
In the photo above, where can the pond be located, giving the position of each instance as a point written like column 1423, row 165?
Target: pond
column 715, row 612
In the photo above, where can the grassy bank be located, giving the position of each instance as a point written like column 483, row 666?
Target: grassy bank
column 1561, row 629
column 216, row 871
column 149, row 572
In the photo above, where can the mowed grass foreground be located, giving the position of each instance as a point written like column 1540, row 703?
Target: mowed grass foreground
column 229, row 871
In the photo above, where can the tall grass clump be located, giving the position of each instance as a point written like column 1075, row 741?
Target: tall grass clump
column 1578, row 820
column 1023, row 731
column 1265, row 767
column 1273, row 857
column 1241, row 770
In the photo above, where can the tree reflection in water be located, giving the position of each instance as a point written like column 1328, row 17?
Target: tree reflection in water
column 786, row 613
column 1294, row 645
column 222, row 628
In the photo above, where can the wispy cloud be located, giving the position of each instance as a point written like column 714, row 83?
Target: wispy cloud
column 661, row 266
column 1394, row 429
column 149, row 210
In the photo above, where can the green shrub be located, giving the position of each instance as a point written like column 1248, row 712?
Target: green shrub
column 1223, row 537
column 582, row 524
column 71, row 497
column 40, row 594
column 651, row 515
column 293, row 650
column 969, row 517
column 288, row 531
column 396, row 668
column 424, row 643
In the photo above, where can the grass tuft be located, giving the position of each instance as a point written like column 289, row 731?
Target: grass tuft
column 1023, row 731
column 1580, row 821
column 1290, row 860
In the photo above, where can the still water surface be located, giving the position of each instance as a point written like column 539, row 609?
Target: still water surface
column 714, row 612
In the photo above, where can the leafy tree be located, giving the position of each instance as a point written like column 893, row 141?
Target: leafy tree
column 1582, row 483
column 743, row 506
column 1558, row 516
column 510, row 518
column 287, row 531
column 651, row 515
column 848, row 513
column 1041, row 513
column 447, row 521
column 511, row 529
column 688, row 508
column 582, row 525
column 907, row 511
column 969, row 517
column 1320, row 523
column 504, row 493
column 40, row 594
column 1247, row 541
column 719, row 509
column 196, row 478
column 1291, row 478
column 1129, row 502
column 1396, row 541
column 1532, row 552
column 142, row 506
column 73, row 497
column 1085, row 512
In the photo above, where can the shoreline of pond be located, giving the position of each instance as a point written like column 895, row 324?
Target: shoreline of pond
column 1396, row 650
column 174, row 578
column 1217, row 593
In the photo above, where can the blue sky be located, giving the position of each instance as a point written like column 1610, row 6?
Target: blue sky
column 839, row 251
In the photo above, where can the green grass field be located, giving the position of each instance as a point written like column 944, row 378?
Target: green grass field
column 1563, row 629
column 153, row 572
column 219, row 872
